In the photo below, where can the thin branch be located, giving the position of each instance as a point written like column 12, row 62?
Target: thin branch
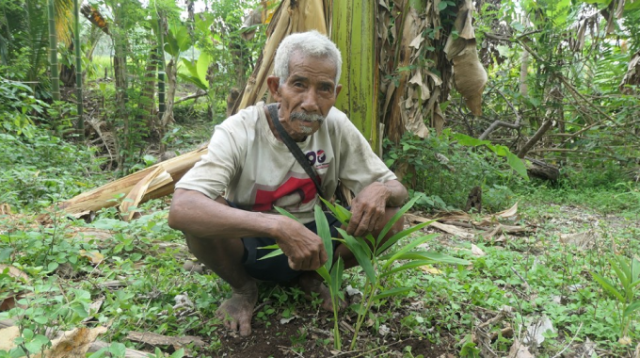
column 536, row 137
column 500, row 123
column 570, row 342
column 563, row 150
column 564, row 80
column 191, row 96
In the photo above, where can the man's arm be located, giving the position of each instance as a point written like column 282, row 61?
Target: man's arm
column 195, row 214
column 369, row 206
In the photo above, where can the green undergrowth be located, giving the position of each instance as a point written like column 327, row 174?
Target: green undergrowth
column 137, row 269
column 43, row 168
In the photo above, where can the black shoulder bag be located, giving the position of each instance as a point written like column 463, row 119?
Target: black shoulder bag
column 294, row 149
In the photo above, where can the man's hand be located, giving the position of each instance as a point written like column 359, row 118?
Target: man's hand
column 304, row 249
column 368, row 209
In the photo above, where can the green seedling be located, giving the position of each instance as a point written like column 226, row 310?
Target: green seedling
column 368, row 252
column 627, row 303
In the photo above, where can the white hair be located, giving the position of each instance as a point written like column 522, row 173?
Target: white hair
column 310, row 43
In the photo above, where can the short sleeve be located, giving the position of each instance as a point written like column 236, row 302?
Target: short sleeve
column 215, row 170
column 359, row 165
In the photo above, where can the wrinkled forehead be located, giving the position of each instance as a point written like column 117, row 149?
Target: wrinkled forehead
column 297, row 56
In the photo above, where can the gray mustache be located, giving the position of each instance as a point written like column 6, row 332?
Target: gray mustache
column 307, row 117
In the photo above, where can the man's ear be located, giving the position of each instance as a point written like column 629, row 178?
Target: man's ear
column 338, row 89
column 273, row 83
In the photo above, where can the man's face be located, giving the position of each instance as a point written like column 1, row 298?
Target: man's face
column 306, row 97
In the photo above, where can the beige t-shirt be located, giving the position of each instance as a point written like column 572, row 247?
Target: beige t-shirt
column 257, row 172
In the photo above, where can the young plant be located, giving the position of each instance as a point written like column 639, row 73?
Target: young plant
column 626, row 293
column 331, row 273
column 368, row 251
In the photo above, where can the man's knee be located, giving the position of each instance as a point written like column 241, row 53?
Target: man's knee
column 397, row 226
column 210, row 247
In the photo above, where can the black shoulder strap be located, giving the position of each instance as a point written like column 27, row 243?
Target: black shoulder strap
column 293, row 147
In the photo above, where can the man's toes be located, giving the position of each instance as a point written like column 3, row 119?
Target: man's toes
column 232, row 324
column 245, row 328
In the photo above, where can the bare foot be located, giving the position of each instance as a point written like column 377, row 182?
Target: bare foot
column 236, row 312
column 310, row 284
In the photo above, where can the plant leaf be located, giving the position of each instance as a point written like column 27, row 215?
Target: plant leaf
column 607, row 286
column 395, row 238
column 631, row 308
column 355, row 246
column 285, row 213
column 322, row 271
column 336, row 277
column 322, row 227
column 397, row 216
column 407, row 266
column 204, row 60
column 406, row 249
column 274, row 253
column 392, row 292
column 516, row 164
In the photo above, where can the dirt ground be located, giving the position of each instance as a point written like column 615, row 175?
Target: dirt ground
column 309, row 335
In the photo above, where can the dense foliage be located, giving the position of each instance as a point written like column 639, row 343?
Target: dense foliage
column 567, row 62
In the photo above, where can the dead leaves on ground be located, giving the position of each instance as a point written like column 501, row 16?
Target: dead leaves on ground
column 70, row 344
column 466, row 226
column 17, row 275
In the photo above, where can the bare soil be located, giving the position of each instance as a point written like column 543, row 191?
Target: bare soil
column 310, row 335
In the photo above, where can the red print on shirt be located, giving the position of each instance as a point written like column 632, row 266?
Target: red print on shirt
column 303, row 189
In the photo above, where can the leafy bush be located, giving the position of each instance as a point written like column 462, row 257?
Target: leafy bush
column 446, row 171
column 43, row 169
column 17, row 107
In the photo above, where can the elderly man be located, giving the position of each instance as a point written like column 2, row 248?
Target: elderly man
column 248, row 163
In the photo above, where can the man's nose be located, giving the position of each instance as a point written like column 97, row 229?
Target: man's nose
column 310, row 101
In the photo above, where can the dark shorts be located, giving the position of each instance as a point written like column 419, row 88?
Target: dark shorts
column 276, row 269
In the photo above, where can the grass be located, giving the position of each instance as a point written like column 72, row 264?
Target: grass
column 523, row 276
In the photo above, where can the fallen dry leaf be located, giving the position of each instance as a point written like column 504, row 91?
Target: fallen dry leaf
column 625, row 341
column 74, row 343
column 509, row 212
column 11, row 301
column 519, row 350
column 476, row 251
column 15, row 272
column 94, row 256
column 453, row 230
column 7, row 336
column 5, row 209
column 155, row 339
column 430, row 269
column 536, row 329
column 581, row 239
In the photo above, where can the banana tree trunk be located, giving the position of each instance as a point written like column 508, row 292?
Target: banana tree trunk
column 354, row 33
column 290, row 17
column 53, row 52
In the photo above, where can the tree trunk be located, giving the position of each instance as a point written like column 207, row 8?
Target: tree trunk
column 171, row 73
column 79, row 96
column 120, row 74
column 148, row 95
column 354, row 33
column 53, row 52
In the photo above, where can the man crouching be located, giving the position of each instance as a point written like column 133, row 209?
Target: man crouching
column 249, row 164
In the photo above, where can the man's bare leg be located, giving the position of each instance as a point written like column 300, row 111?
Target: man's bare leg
column 224, row 257
column 311, row 282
